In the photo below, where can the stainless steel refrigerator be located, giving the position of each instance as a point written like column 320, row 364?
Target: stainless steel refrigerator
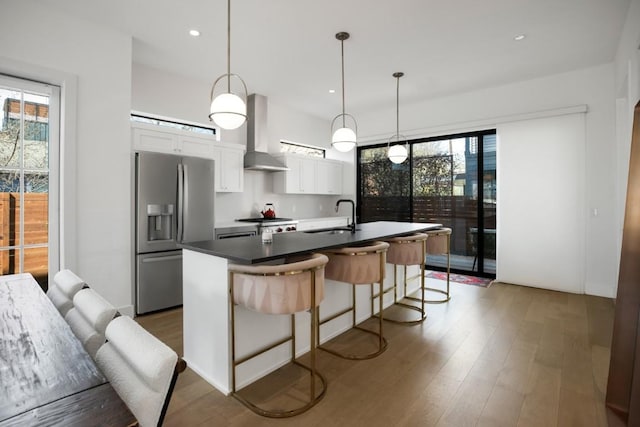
column 174, row 203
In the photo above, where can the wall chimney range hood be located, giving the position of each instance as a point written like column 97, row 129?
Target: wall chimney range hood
column 257, row 157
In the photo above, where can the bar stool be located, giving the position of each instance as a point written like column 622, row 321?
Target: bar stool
column 279, row 289
column 358, row 266
column 438, row 243
column 404, row 251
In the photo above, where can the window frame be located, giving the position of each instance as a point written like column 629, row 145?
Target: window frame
column 54, row 92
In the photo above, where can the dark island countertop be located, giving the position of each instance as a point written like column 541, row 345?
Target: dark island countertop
column 251, row 250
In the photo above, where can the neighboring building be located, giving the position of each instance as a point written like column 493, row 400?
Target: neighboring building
column 35, row 145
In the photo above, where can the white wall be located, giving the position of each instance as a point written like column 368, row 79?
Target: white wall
column 187, row 99
column 93, row 66
column 484, row 109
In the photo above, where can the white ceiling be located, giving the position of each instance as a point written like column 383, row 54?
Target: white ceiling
column 286, row 49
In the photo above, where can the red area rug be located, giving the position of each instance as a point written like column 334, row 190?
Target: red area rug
column 460, row 278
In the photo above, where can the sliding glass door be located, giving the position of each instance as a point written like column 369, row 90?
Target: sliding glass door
column 449, row 180
column 384, row 187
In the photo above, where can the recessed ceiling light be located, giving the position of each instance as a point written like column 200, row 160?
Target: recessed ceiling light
column 194, row 33
column 332, row 91
column 519, row 37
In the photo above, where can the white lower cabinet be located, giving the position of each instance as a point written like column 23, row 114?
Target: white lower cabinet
column 308, row 175
column 229, row 168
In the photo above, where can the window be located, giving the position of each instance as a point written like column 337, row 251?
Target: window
column 292, row 147
column 438, row 183
column 28, row 177
column 174, row 125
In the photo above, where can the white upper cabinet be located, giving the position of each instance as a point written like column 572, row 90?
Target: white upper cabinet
column 195, row 146
column 329, row 176
column 308, row 175
column 229, row 160
column 299, row 179
column 149, row 138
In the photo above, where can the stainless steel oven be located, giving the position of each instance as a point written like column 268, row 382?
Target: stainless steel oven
column 236, row 231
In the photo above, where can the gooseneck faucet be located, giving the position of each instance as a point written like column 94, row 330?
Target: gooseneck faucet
column 353, row 212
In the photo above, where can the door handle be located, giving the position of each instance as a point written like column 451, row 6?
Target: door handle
column 180, row 231
column 185, row 200
column 162, row 259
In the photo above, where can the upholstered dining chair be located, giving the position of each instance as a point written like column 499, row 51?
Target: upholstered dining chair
column 64, row 287
column 141, row 368
column 89, row 317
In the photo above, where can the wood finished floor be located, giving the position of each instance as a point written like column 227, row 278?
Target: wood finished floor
column 499, row 356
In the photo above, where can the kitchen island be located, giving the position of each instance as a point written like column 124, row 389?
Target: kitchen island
column 207, row 335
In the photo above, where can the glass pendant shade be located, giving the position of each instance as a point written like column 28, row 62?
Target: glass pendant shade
column 397, row 153
column 228, row 111
column 343, row 139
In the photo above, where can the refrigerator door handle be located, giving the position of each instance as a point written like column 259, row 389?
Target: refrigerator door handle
column 185, row 200
column 180, row 231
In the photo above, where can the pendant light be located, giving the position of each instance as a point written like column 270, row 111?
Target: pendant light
column 228, row 110
column 398, row 152
column 344, row 138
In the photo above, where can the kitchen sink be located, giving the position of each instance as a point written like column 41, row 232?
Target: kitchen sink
column 337, row 230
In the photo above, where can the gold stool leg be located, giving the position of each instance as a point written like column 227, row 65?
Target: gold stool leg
column 381, row 342
column 233, row 333
column 446, row 293
column 420, row 309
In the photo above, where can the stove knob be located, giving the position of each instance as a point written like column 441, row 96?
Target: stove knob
column 293, row 228
column 288, row 228
column 279, row 230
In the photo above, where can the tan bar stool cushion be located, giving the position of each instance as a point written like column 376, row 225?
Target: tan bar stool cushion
column 278, row 294
column 363, row 268
column 406, row 250
column 438, row 241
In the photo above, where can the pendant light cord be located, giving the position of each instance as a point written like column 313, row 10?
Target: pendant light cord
column 398, row 108
column 229, row 46
column 342, row 55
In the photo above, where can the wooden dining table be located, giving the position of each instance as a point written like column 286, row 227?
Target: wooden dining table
column 46, row 376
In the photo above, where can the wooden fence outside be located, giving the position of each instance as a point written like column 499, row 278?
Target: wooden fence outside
column 36, row 230
column 456, row 212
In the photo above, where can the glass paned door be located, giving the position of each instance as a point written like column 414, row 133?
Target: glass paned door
column 384, row 187
column 25, row 177
column 489, row 204
column 445, row 190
